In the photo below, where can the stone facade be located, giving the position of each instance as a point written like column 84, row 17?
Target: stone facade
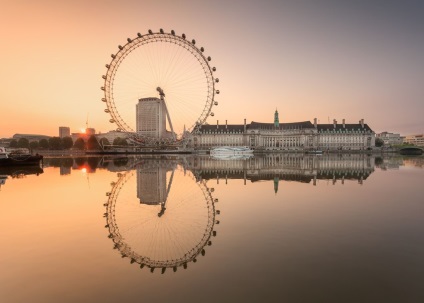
column 297, row 136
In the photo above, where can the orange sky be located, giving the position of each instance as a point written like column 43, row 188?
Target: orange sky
column 321, row 59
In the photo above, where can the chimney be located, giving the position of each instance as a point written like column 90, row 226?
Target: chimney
column 362, row 123
column 344, row 123
column 244, row 125
column 226, row 126
column 334, row 123
column 217, row 124
column 315, row 122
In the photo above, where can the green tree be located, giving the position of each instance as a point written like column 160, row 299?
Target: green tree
column 23, row 143
column 67, row 142
column 43, row 143
column 92, row 143
column 79, row 143
column 379, row 142
column 33, row 145
column 55, row 143
column 13, row 143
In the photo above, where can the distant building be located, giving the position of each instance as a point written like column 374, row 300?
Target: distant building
column 90, row 131
column 5, row 142
column 30, row 137
column 64, row 131
column 390, row 139
column 417, row 140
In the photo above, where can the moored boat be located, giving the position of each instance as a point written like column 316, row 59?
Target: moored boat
column 18, row 159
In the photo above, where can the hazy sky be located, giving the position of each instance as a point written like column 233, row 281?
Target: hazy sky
column 323, row 59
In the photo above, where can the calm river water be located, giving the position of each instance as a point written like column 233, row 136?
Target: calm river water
column 277, row 228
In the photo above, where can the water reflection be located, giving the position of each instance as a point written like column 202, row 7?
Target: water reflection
column 160, row 213
column 272, row 167
column 159, row 216
column 288, row 167
column 17, row 172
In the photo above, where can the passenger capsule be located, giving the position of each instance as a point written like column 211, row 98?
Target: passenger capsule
column 120, row 47
column 129, row 40
column 217, row 91
column 161, row 31
column 209, row 58
column 216, row 103
column 102, row 88
column 216, row 80
column 212, row 114
column 139, row 35
column 202, row 49
column 103, row 99
column 107, row 65
column 214, row 69
column 150, row 31
column 107, row 110
column 184, row 36
column 104, row 77
column 113, row 56
column 112, row 121
column 193, row 41
column 173, row 32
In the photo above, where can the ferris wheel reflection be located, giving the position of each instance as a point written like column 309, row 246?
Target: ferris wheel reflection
column 160, row 216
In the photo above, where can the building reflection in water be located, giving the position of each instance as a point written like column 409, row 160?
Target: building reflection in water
column 161, row 214
column 288, row 167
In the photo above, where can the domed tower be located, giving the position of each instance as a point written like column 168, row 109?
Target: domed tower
column 276, row 120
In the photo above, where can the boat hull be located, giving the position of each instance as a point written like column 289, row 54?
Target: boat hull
column 21, row 160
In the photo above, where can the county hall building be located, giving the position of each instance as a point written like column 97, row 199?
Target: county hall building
column 296, row 136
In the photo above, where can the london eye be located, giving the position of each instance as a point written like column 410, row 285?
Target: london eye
column 159, row 217
column 158, row 87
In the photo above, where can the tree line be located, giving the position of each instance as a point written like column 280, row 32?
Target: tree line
column 57, row 143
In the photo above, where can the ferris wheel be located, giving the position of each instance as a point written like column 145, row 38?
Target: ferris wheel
column 157, row 228
column 166, row 68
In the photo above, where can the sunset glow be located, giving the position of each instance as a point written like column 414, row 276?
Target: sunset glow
column 314, row 59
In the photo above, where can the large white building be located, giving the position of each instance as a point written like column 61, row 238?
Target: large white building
column 64, row 131
column 151, row 117
column 285, row 136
